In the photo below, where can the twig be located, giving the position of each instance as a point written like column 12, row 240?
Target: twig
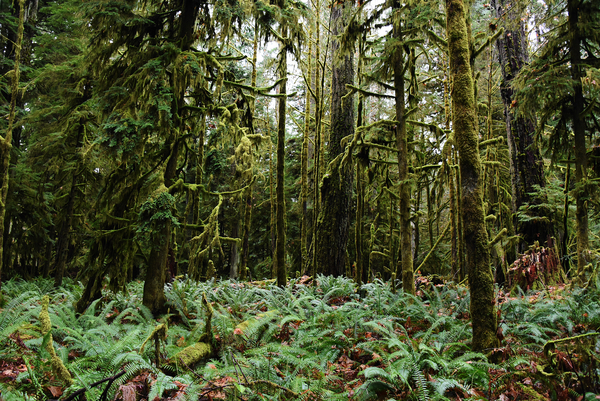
column 110, row 381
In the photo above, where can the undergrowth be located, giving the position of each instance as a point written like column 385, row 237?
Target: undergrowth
column 310, row 340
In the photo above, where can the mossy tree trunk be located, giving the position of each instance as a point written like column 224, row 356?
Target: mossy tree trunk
column 304, row 163
column 6, row 142
column 406, row 267
column 526, row 162
column 248, row 196
column 580, row 193
column 333, row 225
column 481, row 281
column 154, row 295
column 279, row 189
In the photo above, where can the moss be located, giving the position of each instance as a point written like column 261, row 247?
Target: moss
column 193, row 354
column 59, row 370
column 44, row 317
column 481, row 280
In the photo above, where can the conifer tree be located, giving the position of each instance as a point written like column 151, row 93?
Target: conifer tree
column 333, row 224
column 560, row 83
column 154, row 66
column 526, row 163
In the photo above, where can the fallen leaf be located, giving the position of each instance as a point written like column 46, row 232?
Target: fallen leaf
column 56, row 391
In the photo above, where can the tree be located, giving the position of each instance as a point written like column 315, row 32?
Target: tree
column 6, row 141
column 560, row 83
column 526, row 163
column 464, row 121
column 153, row 68
column 333, row 224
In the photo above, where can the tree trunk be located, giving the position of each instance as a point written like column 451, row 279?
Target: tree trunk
column 63, row 235
column 481, row 281
column 304, row 164
column 234, row 253
column 408, row 281
column 154, row 295
column 526, row 162
column 6, row 142
column 279, row 189
column 333, row 225
column 581, row 193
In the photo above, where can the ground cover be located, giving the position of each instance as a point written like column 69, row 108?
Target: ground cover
column 310, row 340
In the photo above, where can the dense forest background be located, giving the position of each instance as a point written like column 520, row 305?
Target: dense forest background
column 402, row 143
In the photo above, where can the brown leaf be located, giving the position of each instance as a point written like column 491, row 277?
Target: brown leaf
column 56, row 391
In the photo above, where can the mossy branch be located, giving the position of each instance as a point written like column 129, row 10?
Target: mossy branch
column 59, row 369
column 488, row 41
column 288, row 394
column 551, row 344
column 353, row 89
column 432, row 248
column 498, row 237
column 492, row 141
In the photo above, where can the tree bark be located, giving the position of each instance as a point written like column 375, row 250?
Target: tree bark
column 279, row 189
column 580, row 193
column 464, row 117
column 406, row 267
column 6, row 142
column 333, row 225
column 526, row 162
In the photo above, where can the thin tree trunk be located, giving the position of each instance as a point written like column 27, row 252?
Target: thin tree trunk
column 280, row 190
column 408, row 281
column 581, row 194
column 318, row 154
column 304, row 164
column 6, row 142
column 481, row 281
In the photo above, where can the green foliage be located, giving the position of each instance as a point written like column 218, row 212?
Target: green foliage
column 303, row 341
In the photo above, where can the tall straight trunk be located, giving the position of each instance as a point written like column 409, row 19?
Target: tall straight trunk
column 6, row 142
column 248, row 197
column 581, row 214
column 453, row 222
column 304, row 163
column 318, row 154
column 234, row 252
column 406, row 267
column 481, row 280
column 333, row 225
column 272, row 203
column 63, row 235
column 361, row 164
column 526, row 162
column 280, row 193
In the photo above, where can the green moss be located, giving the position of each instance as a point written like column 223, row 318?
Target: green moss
column 481, row 280
column 193, row 354
column 59, row 370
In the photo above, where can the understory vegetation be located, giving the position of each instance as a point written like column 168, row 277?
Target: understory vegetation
column 309, row 340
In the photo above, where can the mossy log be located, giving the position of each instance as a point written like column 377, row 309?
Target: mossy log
column 201, row 350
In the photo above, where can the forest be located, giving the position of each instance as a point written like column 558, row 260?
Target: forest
column 293, row 199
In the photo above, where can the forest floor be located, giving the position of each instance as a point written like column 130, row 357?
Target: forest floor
column 323, row 340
